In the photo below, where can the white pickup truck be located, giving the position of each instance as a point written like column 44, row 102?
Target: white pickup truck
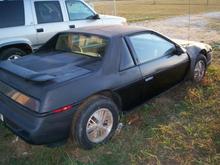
column 27, row 24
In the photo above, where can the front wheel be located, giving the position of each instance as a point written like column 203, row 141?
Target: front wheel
column 12, row 54
column 95, row 122
column 199, row 69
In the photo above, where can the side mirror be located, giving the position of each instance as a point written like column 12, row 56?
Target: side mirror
column 179, row 50
column 96, row 16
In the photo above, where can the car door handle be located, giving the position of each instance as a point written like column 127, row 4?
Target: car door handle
column 40, row 30
column 72, row 26
column 148, row 78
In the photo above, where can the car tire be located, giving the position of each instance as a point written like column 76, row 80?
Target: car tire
column 11, row 53
column 95, row 122
column 199, row 69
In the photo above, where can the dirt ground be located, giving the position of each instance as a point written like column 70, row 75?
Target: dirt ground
column 200, row 27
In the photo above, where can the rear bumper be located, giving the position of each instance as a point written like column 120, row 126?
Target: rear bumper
column 36, row 128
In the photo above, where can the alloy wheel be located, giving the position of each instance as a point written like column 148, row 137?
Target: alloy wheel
column 99, row 125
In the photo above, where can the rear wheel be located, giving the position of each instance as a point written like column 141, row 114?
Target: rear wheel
column 11, row 54
column 199, row 69
column 95, row 122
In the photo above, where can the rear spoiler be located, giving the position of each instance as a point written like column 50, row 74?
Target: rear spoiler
column 24, row 72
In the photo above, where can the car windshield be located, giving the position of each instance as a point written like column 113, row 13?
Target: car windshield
column 83, row 44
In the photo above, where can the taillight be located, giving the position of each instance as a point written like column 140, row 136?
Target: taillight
column 19, row 97
column 65, row 108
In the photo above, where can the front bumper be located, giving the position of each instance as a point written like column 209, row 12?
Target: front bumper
column 33, row 127
column 209, row 58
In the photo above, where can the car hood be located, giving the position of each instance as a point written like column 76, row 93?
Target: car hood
column 186, row 44
column 50, row 66
column 109, row 19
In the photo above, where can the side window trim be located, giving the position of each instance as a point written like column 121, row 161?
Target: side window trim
column 130, row 53
column 131, row 49
column 136, row 59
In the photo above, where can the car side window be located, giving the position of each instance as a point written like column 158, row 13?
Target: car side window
column 11, row 13
column 48, row 11
column 78, row 10
column 126, row 60
column 149, row 46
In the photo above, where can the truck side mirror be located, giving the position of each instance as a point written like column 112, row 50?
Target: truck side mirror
column 96, row 16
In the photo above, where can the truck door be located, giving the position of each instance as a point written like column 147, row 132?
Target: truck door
column 49, row 19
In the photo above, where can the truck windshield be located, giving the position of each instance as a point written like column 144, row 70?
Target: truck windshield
column 89, row 45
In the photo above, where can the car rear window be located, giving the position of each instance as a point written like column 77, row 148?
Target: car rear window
column 11, row 13
column 88, row 45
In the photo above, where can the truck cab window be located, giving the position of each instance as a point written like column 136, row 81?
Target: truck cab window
column 11, row 13
column 78, row 10
column 48, row 11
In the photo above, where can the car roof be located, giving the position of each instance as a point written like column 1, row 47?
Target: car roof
column 110, row 31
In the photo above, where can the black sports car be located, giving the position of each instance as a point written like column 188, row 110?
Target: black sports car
column 78, row 82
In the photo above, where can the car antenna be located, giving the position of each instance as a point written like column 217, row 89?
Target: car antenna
column 189, row 14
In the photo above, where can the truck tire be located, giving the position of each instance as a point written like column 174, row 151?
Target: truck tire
column 11, row 53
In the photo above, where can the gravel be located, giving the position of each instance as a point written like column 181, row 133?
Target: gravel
column 194, row 27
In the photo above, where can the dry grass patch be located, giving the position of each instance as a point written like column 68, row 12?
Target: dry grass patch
column 146, row 10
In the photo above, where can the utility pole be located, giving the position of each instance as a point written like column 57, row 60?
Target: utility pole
column 115, row 9
column 189, row 10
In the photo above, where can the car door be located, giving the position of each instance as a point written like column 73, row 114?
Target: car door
column 80, row 15
column 49, row 19
column 161, row 62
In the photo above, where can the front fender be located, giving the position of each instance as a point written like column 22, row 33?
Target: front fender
column 14, row 41
column 194, row 52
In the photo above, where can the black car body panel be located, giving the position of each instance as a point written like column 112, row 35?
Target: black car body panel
column 194, row 49
column 33, row 127
column 57, row 79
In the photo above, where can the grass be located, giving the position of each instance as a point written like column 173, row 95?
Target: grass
column 182, row 126
column 147, row 10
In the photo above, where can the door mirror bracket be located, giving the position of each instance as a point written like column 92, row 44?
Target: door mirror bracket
column 179, row 50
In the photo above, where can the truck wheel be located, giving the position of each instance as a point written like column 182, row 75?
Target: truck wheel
column 95, row 122
column 199, row 69
column 11, row 54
